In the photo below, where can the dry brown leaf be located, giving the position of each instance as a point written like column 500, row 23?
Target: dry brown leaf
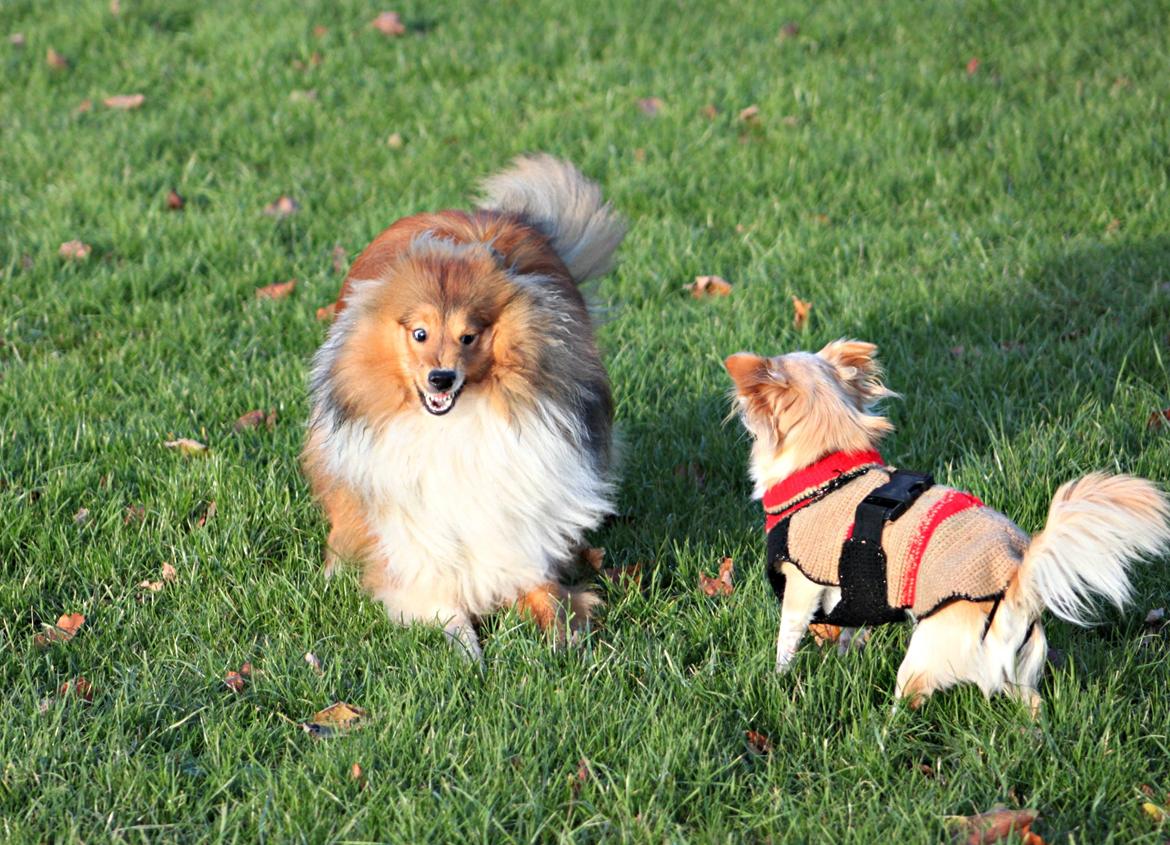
column 708, row 286
column 709, row 111
column 997, row 826
column 63, row 631
column 203, row 514
column 78, row 687
column 277, row 290
column 235, row 681
column 313, row 662
column 255, row 419
column 823, row 633
column 395, row 141
column 55, row 60
column 389, row 23
column 81, row 517
column 1113, row 226
column 340, row 258
column 355, row 772
column 1157, row 814
column 283, row 206
column 973, row 66
column 125, row 102
column 320, row 31
column 175, row 201
column 617, row 574
column 187, row 446
column 1158, row 420
column 115, row 7
column 584, row 773
column 74, row 250
column 650, row 106
column 151, row 586
column 758, row 744
column 326, row 313
column 722, row 583
column 84, row 106
column 750, row 115
column 800, row 312
column 134, row 513
column 335, row 718
column 168, row 573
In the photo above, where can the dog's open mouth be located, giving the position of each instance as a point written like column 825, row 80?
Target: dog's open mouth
column 439, row 403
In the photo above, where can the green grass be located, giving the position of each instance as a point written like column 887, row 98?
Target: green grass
column 915, row 205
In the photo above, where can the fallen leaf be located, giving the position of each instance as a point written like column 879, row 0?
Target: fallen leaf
column 203, row 514
column 617, row 574
column 758, row 744
column 800, row 312
column 320, row 31
column 972, row 66
column 284, row 206
column 55, row 60
column 134, row 513
column 125, row 102
column 84, row 106
column 308, row 96
column 255, row 419
column 235, row 681
column 326, row 313
column 187, row 446
column 340, row 259
column 355, row 772
column 584, row 773
column 639, row 154
column 278, row 290
column 389, row 23
column 1158, row 420
column 790, row 30
column 63, row 631
column 168, row 573
column 312, row 660
column 395, row 141
column 115, row 7
column 79, row 687
column 709, row 111
column 650, row 106
column 823, row 633
column 175, row 201
column 1113, row 226
column 998, row 825
column 81, row 517
column 1157, row 814
column 16, row 39
column 720, row 584
column 334, row 719
column 708, row 286
column 74, row 250
column 150, row 586
column 750, row 115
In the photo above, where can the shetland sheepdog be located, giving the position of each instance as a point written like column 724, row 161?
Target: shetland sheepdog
column 815, row 434
column 460, row 434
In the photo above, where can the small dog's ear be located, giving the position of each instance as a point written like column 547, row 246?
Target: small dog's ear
column 858, row 369
column 746, row 370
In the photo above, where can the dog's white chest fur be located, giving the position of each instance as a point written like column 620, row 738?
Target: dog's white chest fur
column 470, row 508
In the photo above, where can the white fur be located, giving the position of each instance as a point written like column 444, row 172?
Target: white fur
column 565, row 206
column 469, row 509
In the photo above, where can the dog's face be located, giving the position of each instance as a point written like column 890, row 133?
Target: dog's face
column 447, row 321
column 818, row 402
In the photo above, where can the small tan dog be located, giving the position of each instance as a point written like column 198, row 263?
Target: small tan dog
column 852, row 541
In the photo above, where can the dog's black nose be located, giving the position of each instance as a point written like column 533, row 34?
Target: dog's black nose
column 441, row 379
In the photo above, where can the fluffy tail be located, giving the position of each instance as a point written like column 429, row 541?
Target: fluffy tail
column 1097, row 527
column 564, row 206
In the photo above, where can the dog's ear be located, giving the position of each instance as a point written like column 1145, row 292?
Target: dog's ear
column 748, row 371
column 858, row 369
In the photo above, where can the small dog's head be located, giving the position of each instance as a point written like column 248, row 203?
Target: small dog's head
column 804, row 405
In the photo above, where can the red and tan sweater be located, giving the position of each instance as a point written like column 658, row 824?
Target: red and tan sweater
column 946, row 546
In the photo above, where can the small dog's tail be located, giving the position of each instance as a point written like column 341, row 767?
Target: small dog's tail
column 1097, row 527
column 563, row 205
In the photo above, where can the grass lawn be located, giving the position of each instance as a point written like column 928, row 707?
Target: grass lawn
column 978, row 187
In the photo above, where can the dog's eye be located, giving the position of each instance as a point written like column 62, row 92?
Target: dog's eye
column 419, row 335
column 467, row 339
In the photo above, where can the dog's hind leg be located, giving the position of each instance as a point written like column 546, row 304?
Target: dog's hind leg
column 801, row 597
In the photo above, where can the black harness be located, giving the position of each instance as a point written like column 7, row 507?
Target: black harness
column 861, row 573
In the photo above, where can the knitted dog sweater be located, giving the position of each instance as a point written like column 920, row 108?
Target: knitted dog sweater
column 946, row 546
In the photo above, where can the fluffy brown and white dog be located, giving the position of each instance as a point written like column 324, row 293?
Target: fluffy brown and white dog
column 460, row 434
column 972, row 580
